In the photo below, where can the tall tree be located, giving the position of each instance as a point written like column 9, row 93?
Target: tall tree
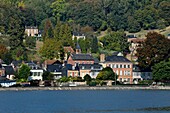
column 23, row 73
column 48, row 30
column 51, row 49
column 94, row 45
column 161, row 71
column 155, row 48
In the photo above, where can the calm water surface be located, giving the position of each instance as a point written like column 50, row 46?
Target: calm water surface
column 85, row 101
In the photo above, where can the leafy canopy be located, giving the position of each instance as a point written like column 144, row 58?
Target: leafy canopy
column 155, row 48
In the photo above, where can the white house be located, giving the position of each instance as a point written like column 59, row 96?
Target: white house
column 36, row 72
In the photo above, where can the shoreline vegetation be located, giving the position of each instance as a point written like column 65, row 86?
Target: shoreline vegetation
column 86, row 88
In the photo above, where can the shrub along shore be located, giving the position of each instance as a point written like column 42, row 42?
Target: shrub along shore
column 86, row 88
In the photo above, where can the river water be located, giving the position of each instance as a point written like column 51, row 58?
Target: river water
column 85, row 101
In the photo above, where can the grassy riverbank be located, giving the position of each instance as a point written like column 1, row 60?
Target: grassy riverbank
column 85, row 88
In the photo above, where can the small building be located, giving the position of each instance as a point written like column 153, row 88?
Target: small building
column 80, row 58
column 90, row 69
column 55, row 69
column 31, row 31
column 140, row 74
column 120, row 65
column 36, row 72
column 78, row 35
column 9, row 72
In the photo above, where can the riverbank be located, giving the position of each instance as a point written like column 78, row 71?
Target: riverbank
column 85, row 88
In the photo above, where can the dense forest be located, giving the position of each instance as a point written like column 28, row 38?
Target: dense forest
column 59, row 18
column 130, row 15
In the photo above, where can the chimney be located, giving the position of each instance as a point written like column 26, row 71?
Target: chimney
column 102, row 57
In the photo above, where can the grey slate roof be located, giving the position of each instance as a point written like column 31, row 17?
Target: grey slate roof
column 54, row 68
column 90, row 66
column 82, row 57
column 137, row 68
column 115, row 58
column 9, row 70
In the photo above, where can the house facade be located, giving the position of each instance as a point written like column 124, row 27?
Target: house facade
column 140, row 74
column 90, row 69
column 78, row 36
column 36, row 72
column 31, row 30
column 80, row 58
column 120, row 65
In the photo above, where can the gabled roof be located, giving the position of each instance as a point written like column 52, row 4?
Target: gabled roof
column 54, row 68
column 90, row 66
column 16, row 63
column 78, row 34
column 115, row 58
column 69, row 49
column 82, row 57
column 9, row 70
column 50, row 62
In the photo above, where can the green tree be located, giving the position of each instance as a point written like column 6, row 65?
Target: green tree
column 115, row 41
column 161, row 71
column 23, row 73
column 59, row 8
column 106, row 74
column 154, row 49
column 87, row 78
column 48, row 76
column 94, row 45
column 51, row 49
column 30, row 42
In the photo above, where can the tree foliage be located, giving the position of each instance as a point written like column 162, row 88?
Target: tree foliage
column 51, row 49
column 106, row 74
column 155, row 48
column 24, row 72
column 161, row 71
column 115, row 41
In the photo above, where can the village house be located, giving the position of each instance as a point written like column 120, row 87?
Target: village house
column 9, row 72
column 36, row 72
column 54, row 67
column 31, row 31
column 80, row 58
column 78, row 35
column 140, row 74
column 90, row 69
column 120, row 65
column 135, row 43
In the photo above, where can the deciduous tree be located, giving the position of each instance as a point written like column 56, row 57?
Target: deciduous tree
column 155, row 48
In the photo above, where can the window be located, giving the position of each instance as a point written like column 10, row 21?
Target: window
column 70, row 74
column 128, row 80
column 124, row 66
column 113, row 65
column 117, row 66
column 120, row 65
column 128, row 66
column 120, row 72
column 120, row 79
